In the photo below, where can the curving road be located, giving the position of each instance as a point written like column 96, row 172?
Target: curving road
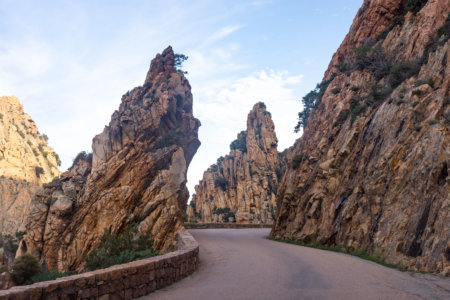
column 242, row 264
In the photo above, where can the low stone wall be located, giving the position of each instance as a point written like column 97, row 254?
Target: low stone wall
column 124, row 281
column 224, row 225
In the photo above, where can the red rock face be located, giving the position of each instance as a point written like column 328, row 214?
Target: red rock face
column 137, row 175
column 375, row 154
column 241, row 187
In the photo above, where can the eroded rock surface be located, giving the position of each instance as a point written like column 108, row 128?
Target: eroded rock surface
column 242, row 186
column 374, row 157
column 26, row 161
column 137, row 175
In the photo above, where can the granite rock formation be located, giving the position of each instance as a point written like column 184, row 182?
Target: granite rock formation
column 242, row 186
column 370, row 171
column 137, row 175
column 26, row 161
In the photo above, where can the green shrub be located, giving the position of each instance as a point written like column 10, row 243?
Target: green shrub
column 397, row 20
column 115, row 248
column 377, row 93
column 50, row 275
column 220, row 160
column 297, row 159
column 445, row 29
column 415, row 6
column 171, row 138
column 58, row 160
column 21, row 134
column 41, row 147
column 356, row 109
column 45, row 137
column 240, row 143
column 29, row 143
column 401, row 71
column 24, row 268
column 433, row 122
column 82, row 156
column 225, row 212
column 221, row 182
column 39, row 171
column 35, row 152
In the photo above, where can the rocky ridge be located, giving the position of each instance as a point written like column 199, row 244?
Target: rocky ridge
column 136, row 175
column 241, row 186
column 26, row 162
column 370, row 171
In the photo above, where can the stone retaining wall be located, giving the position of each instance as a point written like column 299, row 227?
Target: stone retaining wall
column 224, row 225
column 125, row 281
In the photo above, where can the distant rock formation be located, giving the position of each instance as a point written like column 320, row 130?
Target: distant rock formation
column 26, row 161
column 136, row 175
column 242, row 186
column 371, row 170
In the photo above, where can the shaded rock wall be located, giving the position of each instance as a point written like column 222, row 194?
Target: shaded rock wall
column 374, row 157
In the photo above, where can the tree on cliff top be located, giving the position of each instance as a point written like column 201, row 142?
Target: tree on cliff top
column 179, row 60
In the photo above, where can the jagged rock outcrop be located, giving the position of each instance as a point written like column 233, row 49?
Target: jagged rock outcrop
column 370, row 171
column 242, row 186
column 26, row 161
column 137, row 175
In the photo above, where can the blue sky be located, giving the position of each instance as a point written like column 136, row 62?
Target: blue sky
column 69, row 62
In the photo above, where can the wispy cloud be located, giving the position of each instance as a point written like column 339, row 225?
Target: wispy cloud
column 222, row 33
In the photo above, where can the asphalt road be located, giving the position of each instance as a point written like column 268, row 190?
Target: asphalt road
column 242, row 264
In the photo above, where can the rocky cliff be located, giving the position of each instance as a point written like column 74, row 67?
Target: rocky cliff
column 26, row 161
column 370, row 171
column 242, row 186
column 136, row 175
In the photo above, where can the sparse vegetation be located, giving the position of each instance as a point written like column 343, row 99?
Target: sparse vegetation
column 356, row 109
column 115, row 248
column 82, row 156
column 35, row 152
column 50, row 275
column 221, row 182
column 58, row 160
column 171, row 138
column 310, row 102
column 433, row 122
column 39, row 171
column 240, row 143
column 397, row 20
column 401, row 71
column 21, row 134
column 445, row 29
column 45, row 137
column 226, row 213
column 220, row 160
column 24, row 268
column 415, row 6
column 297, row 159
